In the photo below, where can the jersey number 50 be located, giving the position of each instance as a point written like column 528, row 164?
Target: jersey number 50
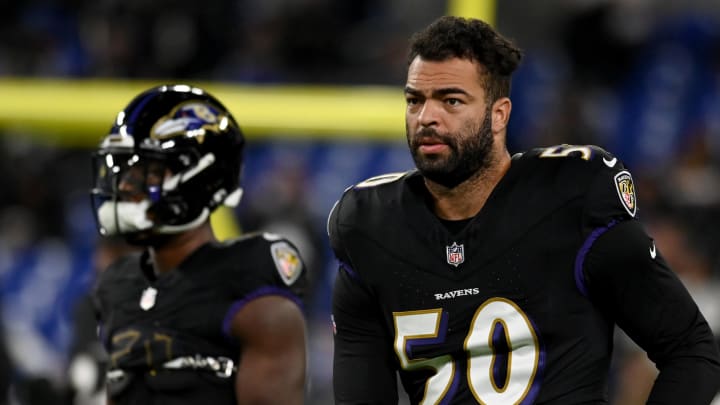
column 522, row 351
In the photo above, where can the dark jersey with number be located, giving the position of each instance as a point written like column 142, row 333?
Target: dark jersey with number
column 169, row 337
column 517, row 307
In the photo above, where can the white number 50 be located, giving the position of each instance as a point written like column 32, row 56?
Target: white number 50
column 414, row 328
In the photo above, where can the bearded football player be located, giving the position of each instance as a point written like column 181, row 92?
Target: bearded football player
column 485, row 278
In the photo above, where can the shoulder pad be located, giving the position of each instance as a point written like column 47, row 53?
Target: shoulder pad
column 357, row 200
column 599, row 175
column 285, row 256
column 587, row 153
column 381, row 179
column 375, row 189
column 576, row 161
column 124, row 267
column 610, row 192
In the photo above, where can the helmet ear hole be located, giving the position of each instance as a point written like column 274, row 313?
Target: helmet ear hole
column 197, row 141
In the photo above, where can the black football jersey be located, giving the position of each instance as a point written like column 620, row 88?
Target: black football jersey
column 168, row 338
column 500, row 312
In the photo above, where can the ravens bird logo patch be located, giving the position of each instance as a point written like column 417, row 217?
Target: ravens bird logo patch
column 287, row 261
column 626, row 191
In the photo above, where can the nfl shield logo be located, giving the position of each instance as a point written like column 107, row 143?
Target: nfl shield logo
column 455, row 254
column 147, row 300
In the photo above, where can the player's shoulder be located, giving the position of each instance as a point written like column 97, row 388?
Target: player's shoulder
column 120, row 277
column 588, row 170
column 583, row 158
column 263, row 252
column 572, row 167
column 124, row 268
column 252, row 243
column 371, row 194
column 378, row 187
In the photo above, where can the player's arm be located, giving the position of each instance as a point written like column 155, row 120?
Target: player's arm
column 364, row 370
column 272, row 364
column 97, row 295
column 627, row 277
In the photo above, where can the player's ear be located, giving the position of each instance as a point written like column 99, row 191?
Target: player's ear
column 500, row 111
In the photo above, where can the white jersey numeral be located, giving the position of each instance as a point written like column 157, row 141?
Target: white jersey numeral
column 566, row 150
column 417, row 328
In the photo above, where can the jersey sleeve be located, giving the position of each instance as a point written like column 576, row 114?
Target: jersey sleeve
column 611, row 195
column 334, row 236
column 628, row 279
column 363, row 361
column 363, row 364
column 266, row 265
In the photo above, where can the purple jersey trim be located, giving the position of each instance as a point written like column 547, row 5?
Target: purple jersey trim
column 580, row 258
column 348, row 269
column 260, row 292
column 103, row 337
column 537, row 383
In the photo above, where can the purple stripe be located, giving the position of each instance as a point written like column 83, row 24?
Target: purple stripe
column 140, row 105
column 538, row 380
column 103, row 337
column 348, row 269
column 540, row 372
column 500, row 350
column 410, row 344
column 261, row 292
column 450, row 394
column 580, row 258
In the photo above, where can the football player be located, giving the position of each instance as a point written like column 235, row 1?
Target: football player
column 490, row 279
column 190, row 319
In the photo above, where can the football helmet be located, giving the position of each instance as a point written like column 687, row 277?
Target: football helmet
column 172, row 156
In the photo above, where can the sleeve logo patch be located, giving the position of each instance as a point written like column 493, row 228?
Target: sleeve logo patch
column 626, row 191
column 287, row 261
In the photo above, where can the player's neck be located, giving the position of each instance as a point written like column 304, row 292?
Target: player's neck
column 467, row 198
column 169, row 256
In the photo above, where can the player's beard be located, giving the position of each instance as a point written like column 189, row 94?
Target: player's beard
column 470, row 153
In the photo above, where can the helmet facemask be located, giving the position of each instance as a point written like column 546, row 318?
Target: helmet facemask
column 128, row 188
column 172, row 157
column 137, row 195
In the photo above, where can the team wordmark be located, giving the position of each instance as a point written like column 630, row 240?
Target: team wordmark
column 457, row 293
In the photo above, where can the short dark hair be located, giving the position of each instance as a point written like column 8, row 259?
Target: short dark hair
column 466, row 38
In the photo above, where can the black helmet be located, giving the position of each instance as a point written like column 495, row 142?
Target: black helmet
column 172, row 156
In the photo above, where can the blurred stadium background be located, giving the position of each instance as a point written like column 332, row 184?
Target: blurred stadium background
column 316, row 85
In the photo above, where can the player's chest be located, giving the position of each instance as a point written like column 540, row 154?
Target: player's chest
column 489, row 329
column 527, row 290
column 465, row 272
column 181, row 302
